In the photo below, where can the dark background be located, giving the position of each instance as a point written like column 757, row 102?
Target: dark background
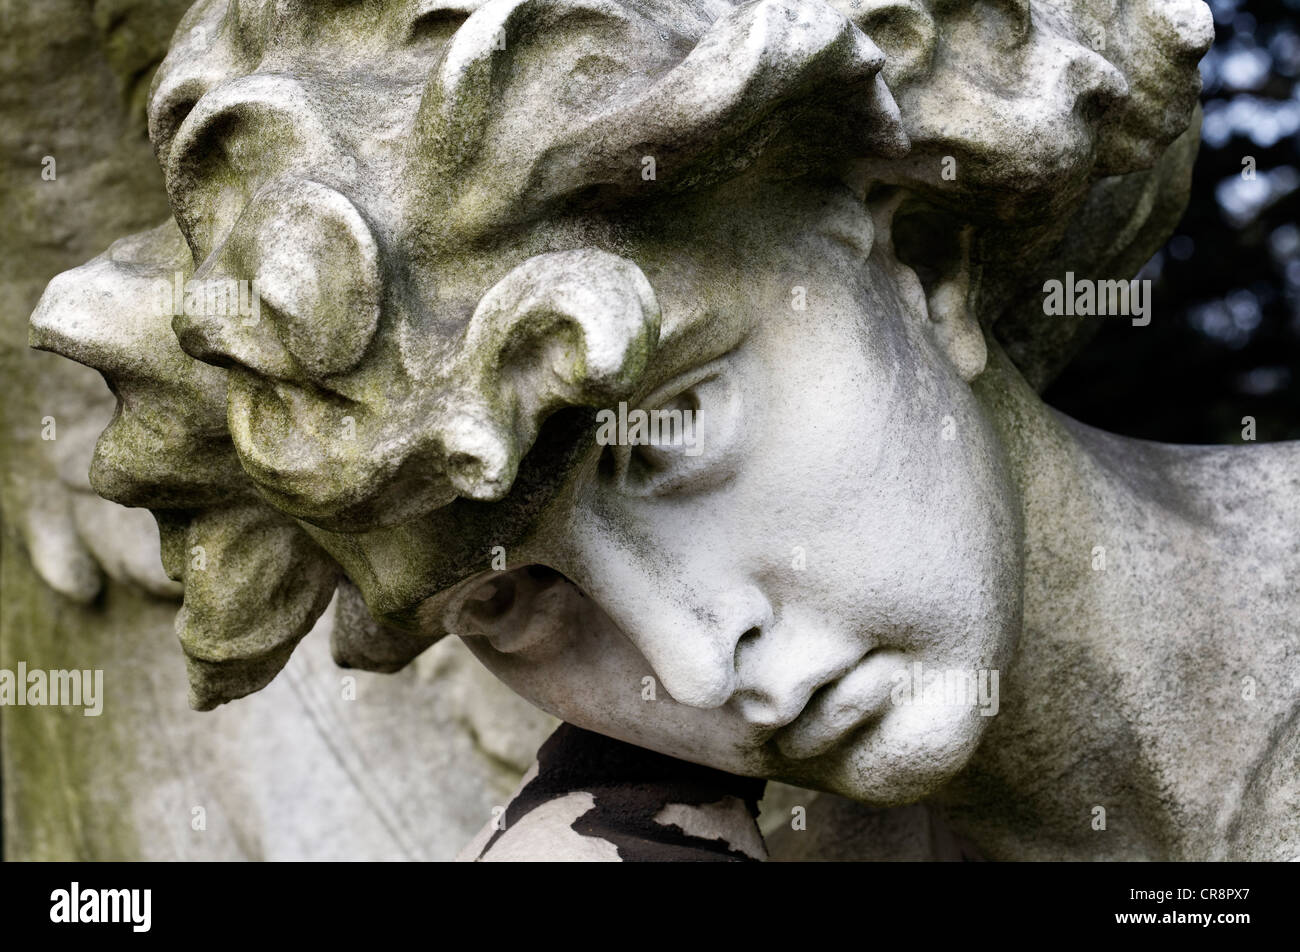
column 1224, row 337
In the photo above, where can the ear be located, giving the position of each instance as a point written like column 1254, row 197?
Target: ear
column 925, row 240
column 950, row 296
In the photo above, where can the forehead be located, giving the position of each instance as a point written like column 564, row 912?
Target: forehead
column 722, row 263
column 753, row 254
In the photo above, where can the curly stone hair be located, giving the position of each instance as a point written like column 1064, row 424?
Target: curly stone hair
column 423, row 192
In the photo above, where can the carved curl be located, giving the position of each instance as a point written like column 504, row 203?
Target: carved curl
column 423, row 247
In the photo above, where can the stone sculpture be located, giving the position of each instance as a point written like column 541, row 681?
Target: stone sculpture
column 325, row 764
column 432, row 265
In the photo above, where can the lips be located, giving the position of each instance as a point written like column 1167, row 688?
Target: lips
column 837, row 710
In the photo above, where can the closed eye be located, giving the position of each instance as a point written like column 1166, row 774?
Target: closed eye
column 685, row 437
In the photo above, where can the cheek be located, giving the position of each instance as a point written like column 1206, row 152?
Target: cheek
column 592, row 677
column 940, row 517
column 584, row 678
column 573, row 663
column 881, row 485
column 955, row 547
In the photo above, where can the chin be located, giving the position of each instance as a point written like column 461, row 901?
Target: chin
column 898, row 761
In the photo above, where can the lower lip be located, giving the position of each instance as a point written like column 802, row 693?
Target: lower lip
column 838, row 711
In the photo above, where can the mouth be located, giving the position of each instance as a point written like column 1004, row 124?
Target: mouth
column 836, row 710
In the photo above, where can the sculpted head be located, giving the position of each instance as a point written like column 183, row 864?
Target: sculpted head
column 472, row 226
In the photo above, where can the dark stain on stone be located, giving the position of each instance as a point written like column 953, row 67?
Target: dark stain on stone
column 631, row 786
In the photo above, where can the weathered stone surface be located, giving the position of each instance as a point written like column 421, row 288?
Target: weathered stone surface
column 406, row 770
column 303, row 773
column 821, row 229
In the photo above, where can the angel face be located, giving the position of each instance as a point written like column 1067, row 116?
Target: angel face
column 441, row 207
column 755, row 600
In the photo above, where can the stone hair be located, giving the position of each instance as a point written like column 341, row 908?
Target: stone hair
column 481, row 141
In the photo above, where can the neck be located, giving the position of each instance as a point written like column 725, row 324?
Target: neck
column 1158, row 665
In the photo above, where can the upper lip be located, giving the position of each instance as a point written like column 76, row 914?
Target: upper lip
column 791, row 704
column 849, row 702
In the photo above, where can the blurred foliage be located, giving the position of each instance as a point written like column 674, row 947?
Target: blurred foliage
column 1224, row 339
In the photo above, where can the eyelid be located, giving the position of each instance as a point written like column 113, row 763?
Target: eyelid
column 680, row 384
column 720, row 432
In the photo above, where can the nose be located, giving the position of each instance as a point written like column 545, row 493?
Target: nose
column 777, row 679
column 687, row 632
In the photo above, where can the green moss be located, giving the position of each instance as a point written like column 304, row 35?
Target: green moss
column 70, row 780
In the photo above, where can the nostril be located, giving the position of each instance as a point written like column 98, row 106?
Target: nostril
column 745, row 641
column 478, row 461
column 465, row 467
